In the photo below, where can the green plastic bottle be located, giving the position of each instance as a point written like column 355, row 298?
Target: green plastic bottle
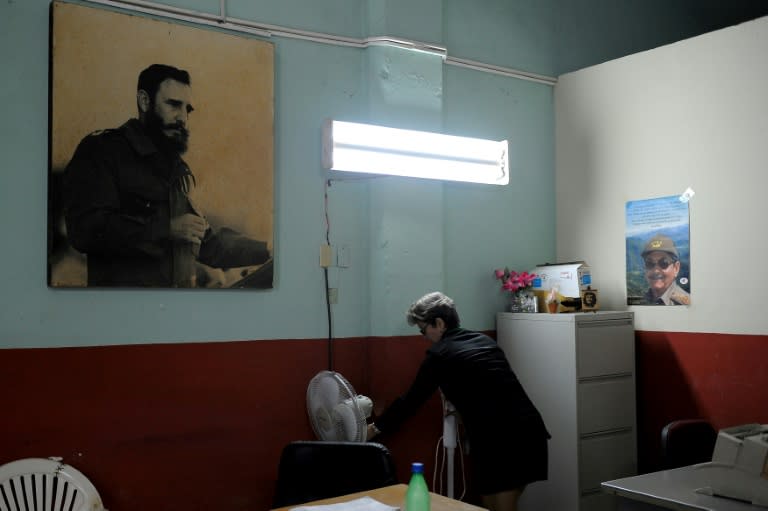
column 417, row 494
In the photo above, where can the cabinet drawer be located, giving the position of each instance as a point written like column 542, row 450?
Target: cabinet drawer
column 606, row 404
column 605, row 349
column 606, row 457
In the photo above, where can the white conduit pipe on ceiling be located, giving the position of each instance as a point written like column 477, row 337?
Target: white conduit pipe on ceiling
column 265, row 30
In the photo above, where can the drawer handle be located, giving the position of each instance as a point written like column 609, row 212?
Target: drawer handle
column 607, row 432
column 606, row 323
column 613, row 376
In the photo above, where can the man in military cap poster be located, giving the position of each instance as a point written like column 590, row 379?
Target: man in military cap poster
column 658, row 252
column 661, row 262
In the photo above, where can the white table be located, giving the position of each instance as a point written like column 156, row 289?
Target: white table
column 671, row 489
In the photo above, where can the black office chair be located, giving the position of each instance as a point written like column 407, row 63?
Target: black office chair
column 687, row 442
column 311, row 470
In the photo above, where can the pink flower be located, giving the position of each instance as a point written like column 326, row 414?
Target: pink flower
column 513, row 281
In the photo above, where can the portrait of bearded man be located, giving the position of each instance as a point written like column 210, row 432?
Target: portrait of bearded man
column 126, row 198
column 161, row 163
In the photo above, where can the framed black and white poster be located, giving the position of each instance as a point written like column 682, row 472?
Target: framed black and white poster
column 161, row 154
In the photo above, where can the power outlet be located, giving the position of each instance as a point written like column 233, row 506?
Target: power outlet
column 333, row 295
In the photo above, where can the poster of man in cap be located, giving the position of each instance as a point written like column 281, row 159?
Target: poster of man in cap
column 658, row 251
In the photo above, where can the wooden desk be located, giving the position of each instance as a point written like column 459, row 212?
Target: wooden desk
column 394, row 496
column 670, row 489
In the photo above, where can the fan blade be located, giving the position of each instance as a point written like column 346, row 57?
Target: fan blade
column 347, row 419
column 328, row 390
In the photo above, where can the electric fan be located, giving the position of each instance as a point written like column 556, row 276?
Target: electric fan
column 337, row 413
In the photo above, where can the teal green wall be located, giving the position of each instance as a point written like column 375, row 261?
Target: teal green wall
column 406, row 237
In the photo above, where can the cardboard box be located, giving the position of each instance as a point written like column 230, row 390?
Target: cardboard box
column 570, row 279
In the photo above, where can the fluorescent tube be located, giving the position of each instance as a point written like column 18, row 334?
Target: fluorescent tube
column 369, row 149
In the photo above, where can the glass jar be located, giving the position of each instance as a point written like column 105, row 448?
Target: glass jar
column 523, row 300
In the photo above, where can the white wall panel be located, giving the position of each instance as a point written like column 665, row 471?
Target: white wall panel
column 691, row 114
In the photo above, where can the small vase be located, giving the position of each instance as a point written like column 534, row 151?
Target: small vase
column 523, row 300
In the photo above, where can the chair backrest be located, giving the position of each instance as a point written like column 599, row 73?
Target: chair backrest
column 46, row 484
column 687, row 442
column 311, row 470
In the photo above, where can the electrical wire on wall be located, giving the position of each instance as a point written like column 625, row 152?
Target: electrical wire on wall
column 326, row 184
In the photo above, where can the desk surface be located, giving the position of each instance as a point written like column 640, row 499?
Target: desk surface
column 673, row 489
column 394, row 496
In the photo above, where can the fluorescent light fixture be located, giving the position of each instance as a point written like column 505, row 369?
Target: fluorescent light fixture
column 369, row 149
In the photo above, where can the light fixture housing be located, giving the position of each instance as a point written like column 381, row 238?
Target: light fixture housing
column 369, row 149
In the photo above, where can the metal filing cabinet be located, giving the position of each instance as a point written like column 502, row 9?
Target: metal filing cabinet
column 579, row 371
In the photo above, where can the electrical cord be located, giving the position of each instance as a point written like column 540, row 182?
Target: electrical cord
column 440, row 461
column 330, row 321
column 436, row 471
column 440, row 468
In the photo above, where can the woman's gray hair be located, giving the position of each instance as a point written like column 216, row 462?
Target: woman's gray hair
column 432, row 306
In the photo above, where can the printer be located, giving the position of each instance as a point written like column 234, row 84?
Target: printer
column 739, row 466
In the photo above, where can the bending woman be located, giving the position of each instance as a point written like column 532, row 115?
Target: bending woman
column 505, row 431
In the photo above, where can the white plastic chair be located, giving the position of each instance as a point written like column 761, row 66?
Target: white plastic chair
column 46, row 484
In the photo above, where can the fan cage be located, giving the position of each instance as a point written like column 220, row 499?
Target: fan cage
column 334, row 411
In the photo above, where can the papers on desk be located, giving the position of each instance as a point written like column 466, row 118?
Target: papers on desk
column 361, row 504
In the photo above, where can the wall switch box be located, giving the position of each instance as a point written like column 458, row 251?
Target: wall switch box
column 325, row 255
column 342, row 256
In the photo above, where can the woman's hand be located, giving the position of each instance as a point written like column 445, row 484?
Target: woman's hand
column 373, row 431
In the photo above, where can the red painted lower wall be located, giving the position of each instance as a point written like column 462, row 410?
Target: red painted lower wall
column 201, row 426
column 719, row 377
column 193, row 426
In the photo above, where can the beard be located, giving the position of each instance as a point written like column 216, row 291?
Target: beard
column 175, row 142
